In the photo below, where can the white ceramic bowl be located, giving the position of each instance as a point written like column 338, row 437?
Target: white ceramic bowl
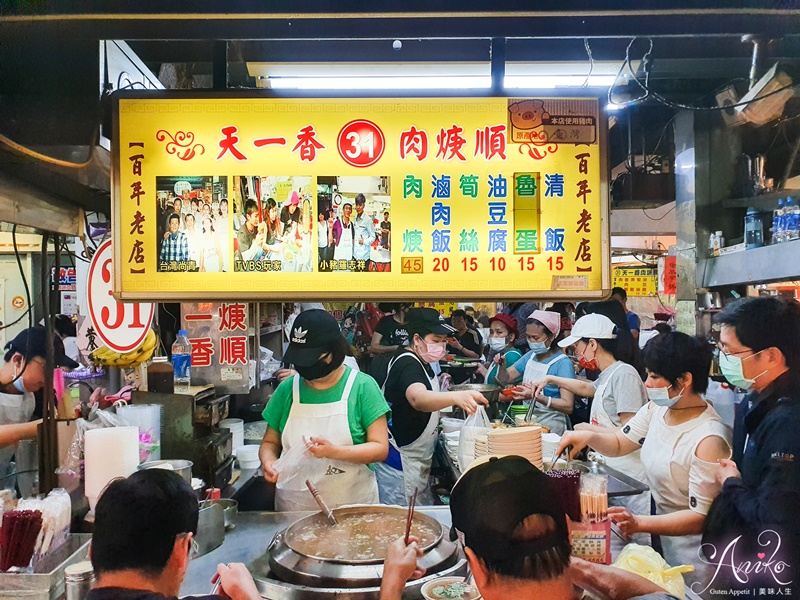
column 427, row 589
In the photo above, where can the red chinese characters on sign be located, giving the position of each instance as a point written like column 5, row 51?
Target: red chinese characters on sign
column 490, row 142
column 584, row 254
column 202, row 351
column 136, row 258
column 308, row 144
column 233, row 349
column 414, row 142
column 228, row 143
column 450, row 143
column 671, row 275
column 233, row 317
column 273, row 141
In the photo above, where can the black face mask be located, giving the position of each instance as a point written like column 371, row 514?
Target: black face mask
column 321, row 368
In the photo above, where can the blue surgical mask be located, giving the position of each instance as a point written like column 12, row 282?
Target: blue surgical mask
column 733, row 370
column 19, row 383
column 660, row 396
column 538, row 347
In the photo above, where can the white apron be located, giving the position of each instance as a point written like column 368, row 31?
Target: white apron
column 554, row 420
column 344, row 482
column 14, row 409
column 630, row 464
column 344, row 249
column 417, row 456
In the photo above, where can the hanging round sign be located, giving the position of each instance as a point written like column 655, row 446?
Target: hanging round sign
column 121, row 327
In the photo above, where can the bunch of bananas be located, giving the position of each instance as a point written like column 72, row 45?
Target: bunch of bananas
column 107, row 357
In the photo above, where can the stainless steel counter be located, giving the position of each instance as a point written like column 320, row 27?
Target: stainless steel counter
column 249, row 540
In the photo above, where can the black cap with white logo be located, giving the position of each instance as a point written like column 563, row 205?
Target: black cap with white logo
column 314, row 333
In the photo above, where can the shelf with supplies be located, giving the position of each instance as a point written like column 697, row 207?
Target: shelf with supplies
column 764, row 202
column 776, row 262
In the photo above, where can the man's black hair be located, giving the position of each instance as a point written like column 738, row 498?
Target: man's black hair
column 767, row 322
column 174, row 216
column 65, row 326
column 662, row 328
column 250, row 207
column 137, row 520
column 618, row 291
column 458, row 313
column 360, row 199
column 672, row 354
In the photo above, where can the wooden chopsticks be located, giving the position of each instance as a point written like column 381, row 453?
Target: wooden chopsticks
column 410, row 516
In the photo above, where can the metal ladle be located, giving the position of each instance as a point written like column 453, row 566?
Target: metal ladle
column 321, row 503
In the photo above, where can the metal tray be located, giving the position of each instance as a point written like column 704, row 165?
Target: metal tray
column 47, row 580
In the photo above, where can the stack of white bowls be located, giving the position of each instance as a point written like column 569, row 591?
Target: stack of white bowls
column 248, row 457
column 236, row 427
column 109, row 453
column 481, row 445
column 147, row 417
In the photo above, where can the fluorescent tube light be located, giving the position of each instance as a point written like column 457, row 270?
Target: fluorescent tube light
column 556, row 81
column 380, row 83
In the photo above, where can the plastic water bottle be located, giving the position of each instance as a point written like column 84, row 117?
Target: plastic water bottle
column 182, row 362
column 791, row 211
column 777, row 223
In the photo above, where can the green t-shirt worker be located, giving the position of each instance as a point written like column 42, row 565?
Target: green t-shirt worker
column 338, row 411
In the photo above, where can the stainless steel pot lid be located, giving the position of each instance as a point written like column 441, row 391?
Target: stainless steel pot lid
column 362, row 535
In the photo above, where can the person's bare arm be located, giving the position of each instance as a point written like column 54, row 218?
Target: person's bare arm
column 610, row 442
column 610, row 582
column 425, row 400
column 375, row 345
column 269, row 452
column 12, row 433
column 679, row 523
column 578, row 387
column 375, row 449
column 624, row 417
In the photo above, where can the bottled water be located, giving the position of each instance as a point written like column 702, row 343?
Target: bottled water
column 182, row 362
column 777, row 223
column 791, row 217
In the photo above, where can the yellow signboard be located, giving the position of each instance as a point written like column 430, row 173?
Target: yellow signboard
column 220, row 196
column 636, row 281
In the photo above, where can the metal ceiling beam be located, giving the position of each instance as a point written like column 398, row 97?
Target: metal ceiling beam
column 228, row 25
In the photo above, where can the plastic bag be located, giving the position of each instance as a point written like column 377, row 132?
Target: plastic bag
column 475, row 424
column 98, row 419
column 648, row 563
column 297, row 465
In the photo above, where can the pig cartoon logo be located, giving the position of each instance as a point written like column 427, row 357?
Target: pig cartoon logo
column 527, row 114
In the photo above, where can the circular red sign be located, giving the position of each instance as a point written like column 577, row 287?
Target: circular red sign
column 122, row 327
column 361, row 143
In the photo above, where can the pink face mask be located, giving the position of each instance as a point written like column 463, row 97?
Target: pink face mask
column 435, row 351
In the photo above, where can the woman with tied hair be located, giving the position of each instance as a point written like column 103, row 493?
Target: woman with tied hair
column 552, row 404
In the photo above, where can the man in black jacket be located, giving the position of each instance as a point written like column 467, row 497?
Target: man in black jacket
column 760, row 497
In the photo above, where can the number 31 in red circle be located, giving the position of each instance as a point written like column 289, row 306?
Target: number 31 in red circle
column 361, row 143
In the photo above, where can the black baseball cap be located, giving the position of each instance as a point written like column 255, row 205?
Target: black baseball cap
column 427, row 320
column 492, row 499
column 33, row 342
column 314, row 333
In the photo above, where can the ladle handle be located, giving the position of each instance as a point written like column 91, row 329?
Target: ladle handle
column 320, row 502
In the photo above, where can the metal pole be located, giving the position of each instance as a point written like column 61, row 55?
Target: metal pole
column 498, row 62
column 48, row 461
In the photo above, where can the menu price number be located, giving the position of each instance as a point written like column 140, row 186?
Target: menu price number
column 411, row 265
column 556, row 263
column 361, row 143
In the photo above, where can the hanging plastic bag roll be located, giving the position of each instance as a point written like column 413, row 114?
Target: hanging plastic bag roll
column 476, row 424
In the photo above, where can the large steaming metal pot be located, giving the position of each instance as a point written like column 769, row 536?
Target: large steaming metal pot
column 289, row 565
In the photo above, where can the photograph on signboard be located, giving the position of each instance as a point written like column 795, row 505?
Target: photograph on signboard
column 193, row 224
column 273, row 224
column 355, row 213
